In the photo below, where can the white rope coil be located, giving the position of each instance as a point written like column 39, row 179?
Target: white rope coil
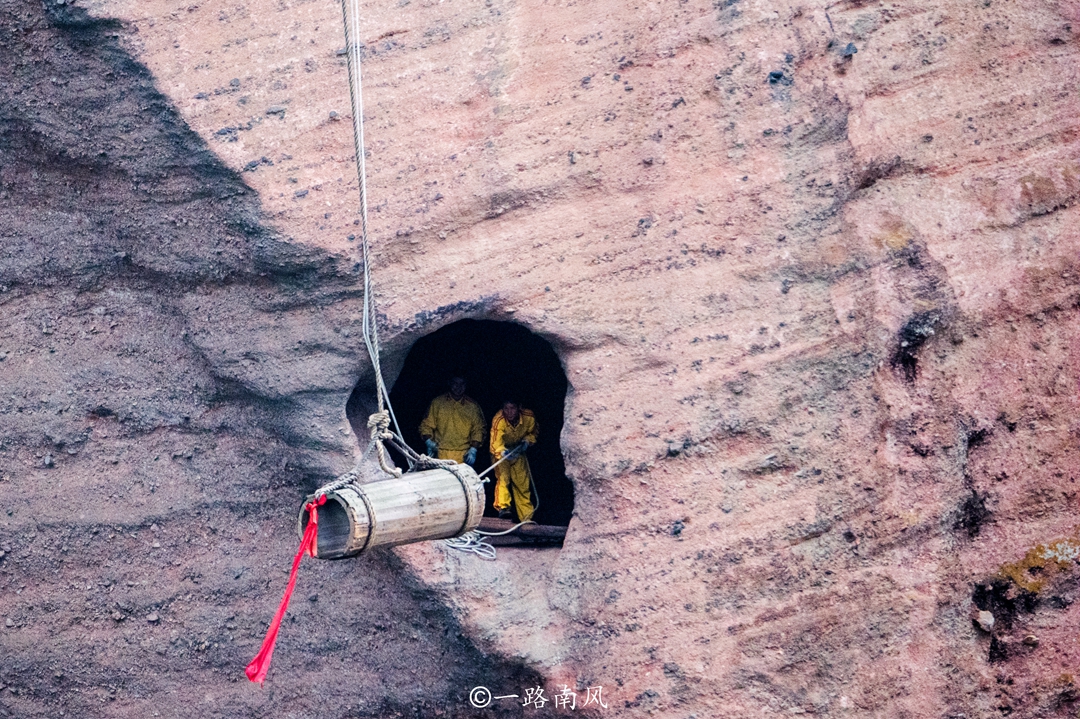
column 472, row 542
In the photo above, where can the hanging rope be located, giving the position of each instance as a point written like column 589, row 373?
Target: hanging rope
column 379, row 422
column 350, row 13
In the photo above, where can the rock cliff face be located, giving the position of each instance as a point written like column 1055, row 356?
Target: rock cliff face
column 811, row 272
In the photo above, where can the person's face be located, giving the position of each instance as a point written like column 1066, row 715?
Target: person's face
column 457, row 387
column 510, row 411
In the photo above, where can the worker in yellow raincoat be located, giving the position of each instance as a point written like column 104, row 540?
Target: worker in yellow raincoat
column 454, row 425
column 513, row 430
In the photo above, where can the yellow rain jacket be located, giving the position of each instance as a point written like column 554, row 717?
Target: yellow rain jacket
column 455, row 426
column 513, row 477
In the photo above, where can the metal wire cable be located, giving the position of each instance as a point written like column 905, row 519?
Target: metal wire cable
column 350, row 12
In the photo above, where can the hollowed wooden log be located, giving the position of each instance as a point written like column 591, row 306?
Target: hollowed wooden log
column 420, row 506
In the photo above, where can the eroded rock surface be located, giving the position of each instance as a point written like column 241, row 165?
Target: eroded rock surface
column 812, row 272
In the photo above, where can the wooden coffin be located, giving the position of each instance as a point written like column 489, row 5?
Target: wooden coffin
column 419, row 506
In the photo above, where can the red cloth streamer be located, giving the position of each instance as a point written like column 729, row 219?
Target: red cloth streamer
column 260, row 665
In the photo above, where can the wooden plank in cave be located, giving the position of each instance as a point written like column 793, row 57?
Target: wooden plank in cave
column 528, row 534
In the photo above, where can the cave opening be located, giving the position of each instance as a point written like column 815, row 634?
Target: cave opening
column 499, row 361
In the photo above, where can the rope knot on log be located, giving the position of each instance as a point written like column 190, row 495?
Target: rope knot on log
column 379, row 424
